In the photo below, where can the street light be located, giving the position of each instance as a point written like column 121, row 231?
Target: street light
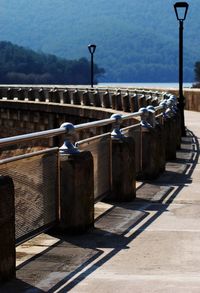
column 181, row 9
column 92, row 49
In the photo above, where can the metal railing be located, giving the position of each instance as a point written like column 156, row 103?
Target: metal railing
column 99, row 146
column 69, row 128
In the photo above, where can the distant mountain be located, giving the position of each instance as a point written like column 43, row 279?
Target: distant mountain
column 24, row 66
column 137, row 41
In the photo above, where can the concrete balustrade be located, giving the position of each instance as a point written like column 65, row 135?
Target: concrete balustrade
column 192, row 96
column 119, row 100
column 139, row 150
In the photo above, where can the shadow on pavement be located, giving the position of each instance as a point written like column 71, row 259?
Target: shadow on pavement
column 73, row 258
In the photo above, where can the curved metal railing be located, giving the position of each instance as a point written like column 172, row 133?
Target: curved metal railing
column 67, row 128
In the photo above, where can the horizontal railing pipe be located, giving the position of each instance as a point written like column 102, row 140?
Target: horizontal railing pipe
column 58, row 131
column 31, row 136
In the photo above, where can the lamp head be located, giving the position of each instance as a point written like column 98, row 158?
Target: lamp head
column 181, row 9
column 92, row 48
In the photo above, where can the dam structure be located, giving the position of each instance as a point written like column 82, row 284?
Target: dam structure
column 98, row 190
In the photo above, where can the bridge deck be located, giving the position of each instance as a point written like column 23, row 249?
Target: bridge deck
column 150, row 245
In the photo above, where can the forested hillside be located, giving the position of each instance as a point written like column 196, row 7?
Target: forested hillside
column 21, row 65
column 136, row 40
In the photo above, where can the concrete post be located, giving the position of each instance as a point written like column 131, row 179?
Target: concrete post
column 123, row 169
column 134, row 103
column 20, row 94
column 114, row 101
column 96, row 99
column 41, row 95
column 142, row 101
column 56, row 96
column 151, row 152
column 76, row 98
column 76, row 192
column 170, row 138
column 7, row 229
column 66, row 97
column 10, row 93
column 118, row 100
column 161, row 147
column 125, row 102
column 178, row 129
column 31, row 94
column 106, row 100
column 86, row 98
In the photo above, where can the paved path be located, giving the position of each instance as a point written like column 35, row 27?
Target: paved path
column 150, row 245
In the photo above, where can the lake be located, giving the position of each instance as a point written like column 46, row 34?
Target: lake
column 147, row 84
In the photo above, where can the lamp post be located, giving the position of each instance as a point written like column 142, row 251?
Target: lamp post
column 92, row 49
column 181, row 9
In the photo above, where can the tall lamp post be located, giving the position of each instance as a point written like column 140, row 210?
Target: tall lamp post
column 181, row 9
column 92, row 49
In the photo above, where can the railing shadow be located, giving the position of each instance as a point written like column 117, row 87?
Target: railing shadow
column 116, row 227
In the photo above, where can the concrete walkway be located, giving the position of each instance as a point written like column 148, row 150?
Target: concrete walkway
column 150, row 245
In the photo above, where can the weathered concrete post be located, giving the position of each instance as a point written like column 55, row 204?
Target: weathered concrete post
column 76, row 98
column 56, row 96
column 151, row 163
column 31, row 94
column 126, row 102
column 96, row 98
column 161, row 147
column 20, row 94
column 86, row 98
column 41, row 95
column 106, row 100
column 7, row 229
column 66, row 97
column 118, row 100
column 170, row 132
column 134, row 103
column 177, row 118
column 123, row 165
column 77, row 188
column 10, row 93
column 114, row 101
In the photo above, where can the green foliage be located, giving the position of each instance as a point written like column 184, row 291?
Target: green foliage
column 20, row 65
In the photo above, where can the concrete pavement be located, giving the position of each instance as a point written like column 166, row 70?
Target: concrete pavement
column 150, row 245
